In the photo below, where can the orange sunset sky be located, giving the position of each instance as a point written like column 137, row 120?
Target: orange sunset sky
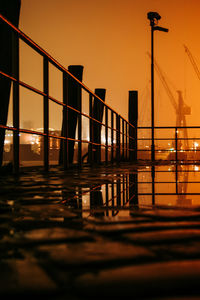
column 110, row 39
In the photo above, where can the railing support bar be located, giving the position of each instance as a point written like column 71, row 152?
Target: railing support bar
column 123, row 142
column 46, row 112
column 15, row 71
column 106, row 134
column 118, row 137
column 79, row 126
column 65, row 122
column 112, row 136
column 90, row 147
column 176, row 144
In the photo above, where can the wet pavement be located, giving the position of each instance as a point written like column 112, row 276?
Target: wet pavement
column 104, row 232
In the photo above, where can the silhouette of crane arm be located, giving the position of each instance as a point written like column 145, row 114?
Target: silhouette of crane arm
column 164, row 82
column 192, row 60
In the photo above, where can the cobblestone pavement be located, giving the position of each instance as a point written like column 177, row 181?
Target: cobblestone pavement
column 50, row 246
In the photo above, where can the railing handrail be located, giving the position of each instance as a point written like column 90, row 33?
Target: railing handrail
column 42, row 52
column 168, row 127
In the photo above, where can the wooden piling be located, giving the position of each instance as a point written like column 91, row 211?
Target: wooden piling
column 11, row 10
column 133, row 119
column 74, row 100
column 98, row 109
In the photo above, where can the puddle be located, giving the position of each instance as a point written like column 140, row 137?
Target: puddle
column 166, row 186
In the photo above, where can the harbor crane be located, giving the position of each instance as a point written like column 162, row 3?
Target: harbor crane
column 181, row 109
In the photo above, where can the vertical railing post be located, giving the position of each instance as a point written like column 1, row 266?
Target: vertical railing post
column 130, row 142
column 106, row 134
column 91, row 139
column 65, row 152
column 46, row 111
column 127, row 188
column 123, row 189
column 153, row 184
column 112, row 136
column 119, row 191
column 112, row 193
column 123, row 139
column 99, row 139
column 79, row 92
column 176, row 144
column 152, row 97
column 176, row 176
column 107, row 199
column 126, row 140
column 16, row 118
column 117, row 137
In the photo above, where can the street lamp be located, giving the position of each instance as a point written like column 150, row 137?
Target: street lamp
column 153, row 17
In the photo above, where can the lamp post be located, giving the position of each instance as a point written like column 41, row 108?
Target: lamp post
column 153, row 17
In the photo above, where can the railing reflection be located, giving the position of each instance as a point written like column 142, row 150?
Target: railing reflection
column 155, row 186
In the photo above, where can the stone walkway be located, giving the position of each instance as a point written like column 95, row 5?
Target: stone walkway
column 48, row 249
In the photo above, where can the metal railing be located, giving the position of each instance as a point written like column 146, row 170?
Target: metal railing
column 116, row 147
column 171, row 144
column 170, row 186
column 162, row 186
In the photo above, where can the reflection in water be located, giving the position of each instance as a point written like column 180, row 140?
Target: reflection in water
column 181, row 186
column 176, row 185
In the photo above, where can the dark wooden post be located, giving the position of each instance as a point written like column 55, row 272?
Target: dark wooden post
column 98, row 110
column 10, row 10
column 74, row 100
column 133, row 118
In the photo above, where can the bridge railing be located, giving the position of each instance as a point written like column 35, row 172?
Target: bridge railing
column 118, row 131
column 172, row 143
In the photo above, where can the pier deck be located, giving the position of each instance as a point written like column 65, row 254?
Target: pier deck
column 56, row 244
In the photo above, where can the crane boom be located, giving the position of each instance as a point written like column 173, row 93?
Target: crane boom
column 192, row 60
column 180, row 107
column 164, row 82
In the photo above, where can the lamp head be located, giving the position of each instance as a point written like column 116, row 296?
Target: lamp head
column 153, row 16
